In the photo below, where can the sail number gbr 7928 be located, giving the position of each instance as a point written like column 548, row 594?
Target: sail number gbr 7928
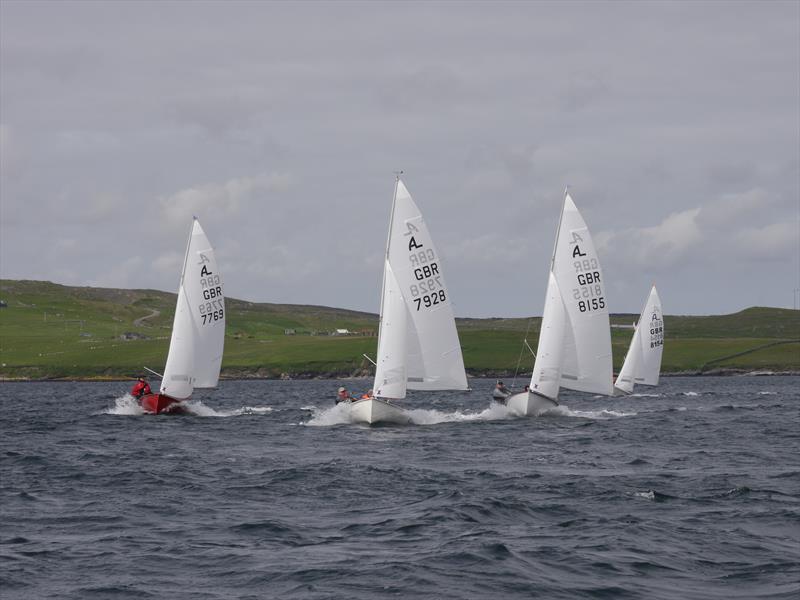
column 427, row 290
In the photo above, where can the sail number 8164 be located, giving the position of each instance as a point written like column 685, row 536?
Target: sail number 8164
column 431, row 299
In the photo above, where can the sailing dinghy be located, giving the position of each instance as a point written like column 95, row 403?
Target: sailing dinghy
column 574, row 350
column 418, row 347
column 643, row 361
column 198, row 331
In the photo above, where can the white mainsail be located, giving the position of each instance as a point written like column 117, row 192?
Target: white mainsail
column 198, row 330
column 587, row 353
column 429, row 350
column 643, row 361
column 574, row 349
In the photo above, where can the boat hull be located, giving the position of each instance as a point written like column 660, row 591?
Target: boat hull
column 155, row 404
column 373, row 410
column 529, row 404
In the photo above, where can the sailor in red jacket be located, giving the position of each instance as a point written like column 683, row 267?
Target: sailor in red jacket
column 140, row 388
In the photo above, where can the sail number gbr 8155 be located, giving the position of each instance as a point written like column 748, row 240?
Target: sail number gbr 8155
column 427, row 290
column 589, row 293
column 213, row 309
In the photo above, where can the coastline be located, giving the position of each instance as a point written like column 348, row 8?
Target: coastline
column 344, row 376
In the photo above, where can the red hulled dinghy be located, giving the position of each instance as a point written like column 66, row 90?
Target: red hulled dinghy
column 155, row 404
column 198, row 330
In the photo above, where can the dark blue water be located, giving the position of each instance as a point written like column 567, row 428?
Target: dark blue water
column 692, row 492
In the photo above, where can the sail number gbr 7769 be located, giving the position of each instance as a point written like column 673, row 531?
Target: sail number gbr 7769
column 213, row 309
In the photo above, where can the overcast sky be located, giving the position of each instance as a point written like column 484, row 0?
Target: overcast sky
column 675, row 125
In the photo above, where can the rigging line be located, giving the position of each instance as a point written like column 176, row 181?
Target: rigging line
column 154, row 372
column 521, row 350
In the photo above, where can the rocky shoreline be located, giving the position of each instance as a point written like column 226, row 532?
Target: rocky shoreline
column 267, row 376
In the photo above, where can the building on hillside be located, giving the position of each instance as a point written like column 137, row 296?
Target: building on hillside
column 133, row 335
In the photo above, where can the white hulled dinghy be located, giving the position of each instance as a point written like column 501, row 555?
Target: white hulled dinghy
column 418, row 346
column 643, row 361
column 574, row 349
column 198, row 330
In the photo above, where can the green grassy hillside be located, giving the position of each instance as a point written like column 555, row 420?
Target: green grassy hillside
column 49, row 330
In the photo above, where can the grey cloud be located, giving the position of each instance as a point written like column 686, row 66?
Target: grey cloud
column 676, row 125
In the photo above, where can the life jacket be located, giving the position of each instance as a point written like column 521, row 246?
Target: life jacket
column 140, row 389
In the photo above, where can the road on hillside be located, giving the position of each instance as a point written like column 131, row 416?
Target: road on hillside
column 140, row 322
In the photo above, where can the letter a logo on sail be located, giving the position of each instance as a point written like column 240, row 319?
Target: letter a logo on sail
column 412, row 243
column 576, row 251
column 410, row 228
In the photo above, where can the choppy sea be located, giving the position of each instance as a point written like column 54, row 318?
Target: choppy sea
column 266, row 490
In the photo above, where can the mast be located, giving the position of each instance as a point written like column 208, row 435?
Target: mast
column 388, row 241
column 558, row 229
column 385, row 260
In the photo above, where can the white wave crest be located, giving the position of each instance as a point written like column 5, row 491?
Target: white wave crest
column 563, row 410
column 690, row 393
column 129, row 406
column 648, row 495
column 125, row 405
column 198, row 409
column 340, row 415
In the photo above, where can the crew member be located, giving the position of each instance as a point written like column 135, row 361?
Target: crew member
column 342, row 395
column 500, row 392
column 140, row 388
column 367, row 396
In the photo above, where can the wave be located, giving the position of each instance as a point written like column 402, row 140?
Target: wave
column 127, row 405
column 340, row 415
column 563, row 410
column 198, row 409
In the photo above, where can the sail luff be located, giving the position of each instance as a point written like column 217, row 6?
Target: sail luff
column 381, row 332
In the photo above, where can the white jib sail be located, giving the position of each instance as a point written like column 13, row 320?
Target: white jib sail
column 546, row 376
column 390, row 372
column 631, row 365
column 586, row 363
column 433, row 360
column 643, row 361
column 178, row 381
column 198, row 330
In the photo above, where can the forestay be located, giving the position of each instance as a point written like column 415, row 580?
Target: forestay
column 198, row 330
